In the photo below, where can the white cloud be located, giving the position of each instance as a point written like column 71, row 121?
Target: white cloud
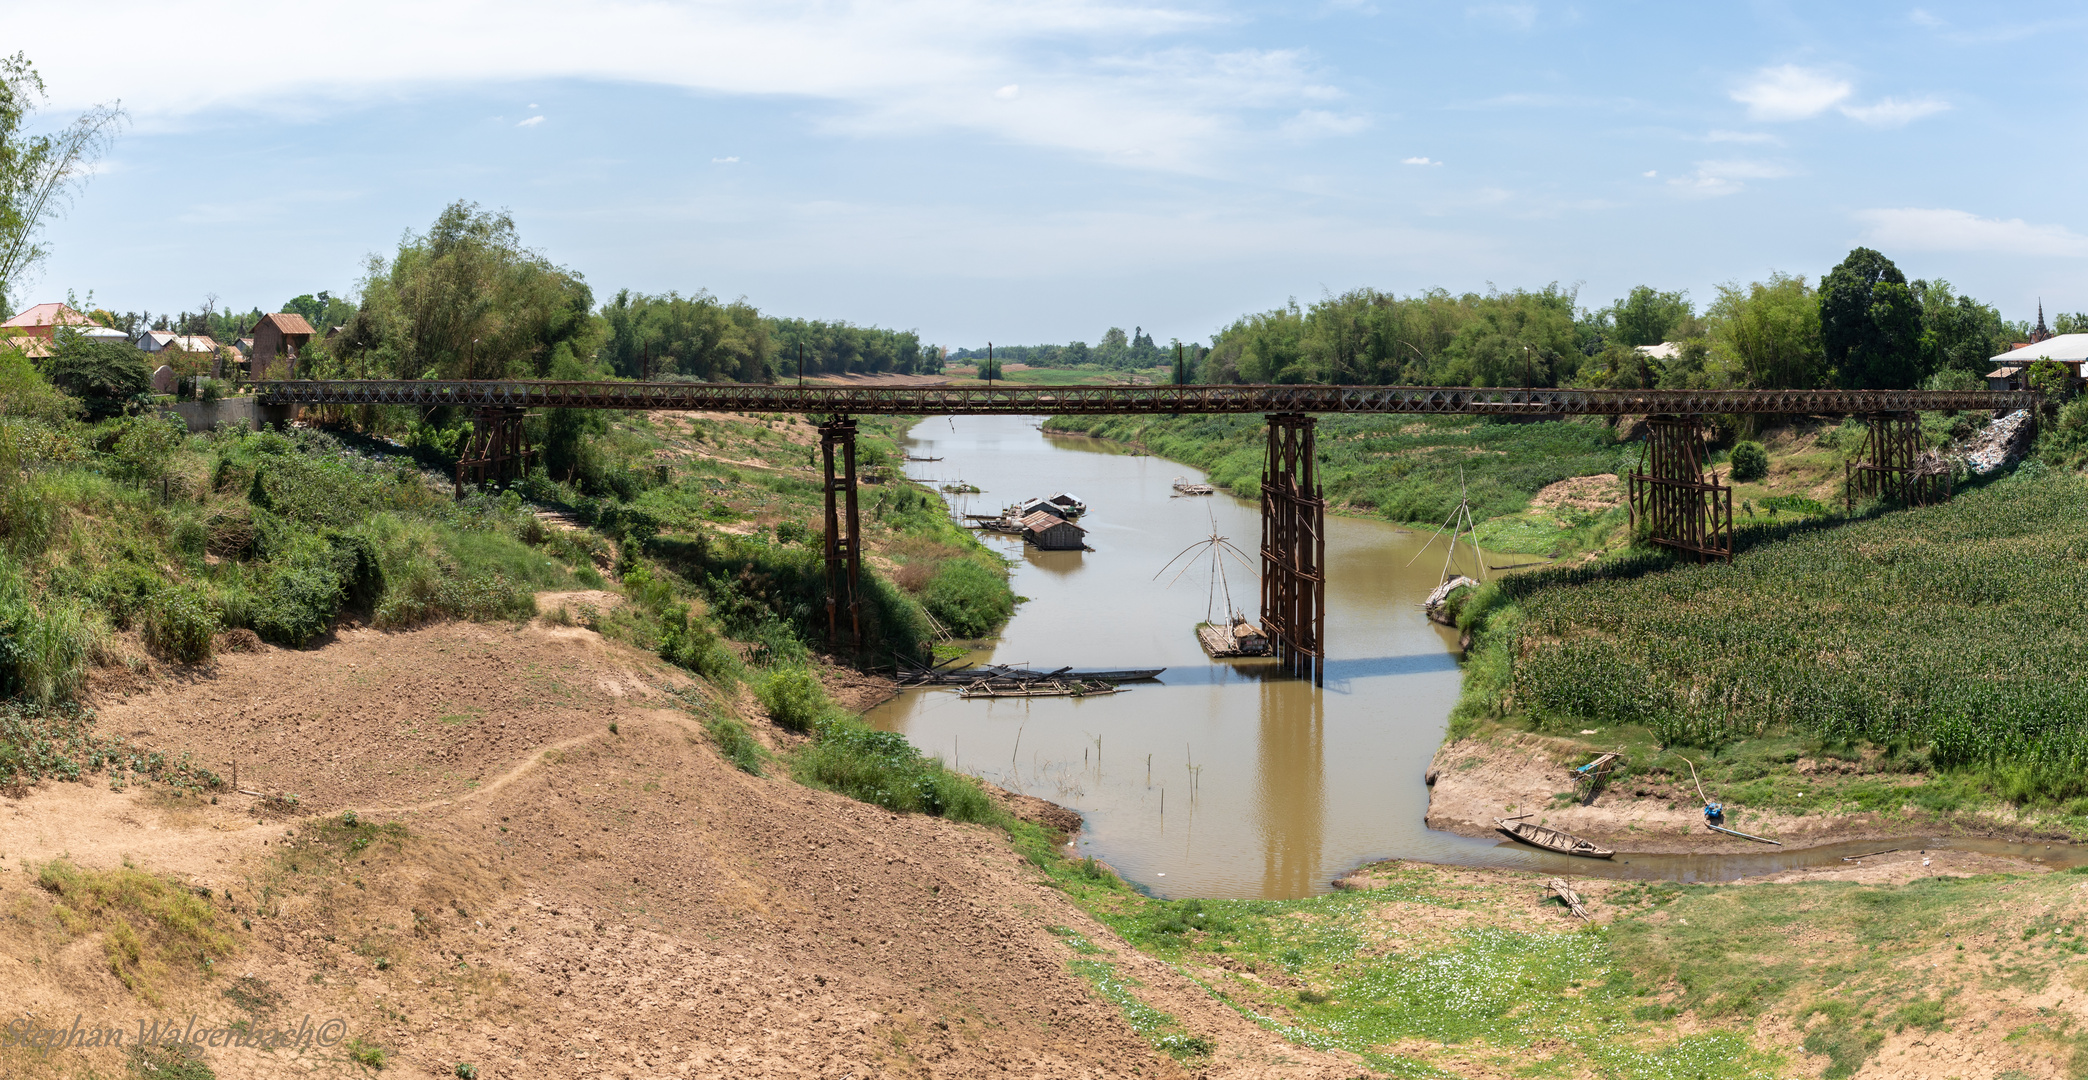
column 1101, row 78
column 1958, row 230
column 1726, row 177
column 1892, row 112
column 531, row 122
column 734, row 160
column 1313, row 123
column 1791, row 92
column 1418, row 161
column 1650, row 173
column 1009, row 92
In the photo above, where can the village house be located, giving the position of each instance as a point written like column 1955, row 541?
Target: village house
column 278, row 337
column 1053, row 533
column 2013, row 367
column 42, row 321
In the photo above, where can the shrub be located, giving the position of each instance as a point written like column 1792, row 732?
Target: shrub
column 43, row 650
column 970, row 599
column 793, row 697
column 882, row 768
column 106, row 376
column 1750, row 462
column 180, row 625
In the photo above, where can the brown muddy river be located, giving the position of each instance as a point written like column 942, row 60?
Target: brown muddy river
column 1223, row 779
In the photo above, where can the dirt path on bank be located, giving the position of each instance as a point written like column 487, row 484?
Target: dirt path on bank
column 588, row 890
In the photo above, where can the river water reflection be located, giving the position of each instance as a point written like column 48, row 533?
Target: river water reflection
column 1224, row 779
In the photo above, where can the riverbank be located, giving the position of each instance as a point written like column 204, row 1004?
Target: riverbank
column 1887, row 674
column 1654, row 808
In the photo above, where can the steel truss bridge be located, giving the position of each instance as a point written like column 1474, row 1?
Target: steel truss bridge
column 1684, row 507
column 1118, row 400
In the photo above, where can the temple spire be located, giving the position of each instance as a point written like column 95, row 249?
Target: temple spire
column 2039, row 332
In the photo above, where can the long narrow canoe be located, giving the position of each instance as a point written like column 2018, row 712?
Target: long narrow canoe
column 1565, row 843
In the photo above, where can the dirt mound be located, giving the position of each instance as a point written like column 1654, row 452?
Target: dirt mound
column 1593, row 493
column 551, row 873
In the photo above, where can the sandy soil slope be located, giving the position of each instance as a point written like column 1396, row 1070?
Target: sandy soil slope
column 572, row 901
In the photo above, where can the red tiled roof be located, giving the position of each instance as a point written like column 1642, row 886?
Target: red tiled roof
column 289, row 322
column 46, row 315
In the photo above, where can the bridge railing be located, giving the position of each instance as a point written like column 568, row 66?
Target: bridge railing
column 1040, row 400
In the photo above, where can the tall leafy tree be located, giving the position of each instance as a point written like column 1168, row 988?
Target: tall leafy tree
column 654, row 336
column 1648, row 317
column 40, row 174
column 466, row 300
column 1958, row 332
column 1870, row 324
column 1769, row 333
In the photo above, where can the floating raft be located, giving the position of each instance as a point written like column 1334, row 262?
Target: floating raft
column 1240, row 638
column 1185, row 486
column 1549, row 839
column 1034, row 688
column 1000, row 674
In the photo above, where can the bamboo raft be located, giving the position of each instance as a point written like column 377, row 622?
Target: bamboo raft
column 1035, row 688
column 1239, row 638
column 997, row 673
column 1185, row 486
column 1565, row 843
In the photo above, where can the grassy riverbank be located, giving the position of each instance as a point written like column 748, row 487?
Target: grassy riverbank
column 1911, row 961
column 1923, row 667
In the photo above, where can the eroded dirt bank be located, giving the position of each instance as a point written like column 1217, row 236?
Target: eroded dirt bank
column 582, row 888
column 1508, row 774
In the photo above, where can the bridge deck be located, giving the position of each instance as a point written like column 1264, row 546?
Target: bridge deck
column 1044, row 400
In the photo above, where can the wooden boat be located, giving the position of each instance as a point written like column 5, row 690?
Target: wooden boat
column 1565, row 843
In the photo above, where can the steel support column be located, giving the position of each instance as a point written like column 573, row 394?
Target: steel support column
column 496, row 452
column 1680, row 506
column 1294, row 547
column 844, row 552
column 1892, row 465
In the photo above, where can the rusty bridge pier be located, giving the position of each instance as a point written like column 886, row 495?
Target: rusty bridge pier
column 1681, row 507
column 1892, row 465
column 844, row 552
column 496, row 453
column 1294, row 547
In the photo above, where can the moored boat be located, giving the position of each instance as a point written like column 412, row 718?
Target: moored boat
column 1550, row 839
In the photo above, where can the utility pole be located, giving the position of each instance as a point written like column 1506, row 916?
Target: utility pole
column 801, row 364
column 989, row 363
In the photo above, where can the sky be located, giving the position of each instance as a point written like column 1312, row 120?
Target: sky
column 1027, row 172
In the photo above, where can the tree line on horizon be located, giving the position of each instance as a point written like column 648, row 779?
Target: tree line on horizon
column 1864, row 326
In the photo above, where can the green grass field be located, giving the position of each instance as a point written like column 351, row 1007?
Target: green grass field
column 1948, row 636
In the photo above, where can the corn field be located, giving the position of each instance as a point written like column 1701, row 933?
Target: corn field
column 1960, row 628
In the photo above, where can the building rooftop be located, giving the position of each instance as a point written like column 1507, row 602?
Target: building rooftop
column 46, row 315
column 288, row 322
column 1040, row 521
column 2073, row 347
